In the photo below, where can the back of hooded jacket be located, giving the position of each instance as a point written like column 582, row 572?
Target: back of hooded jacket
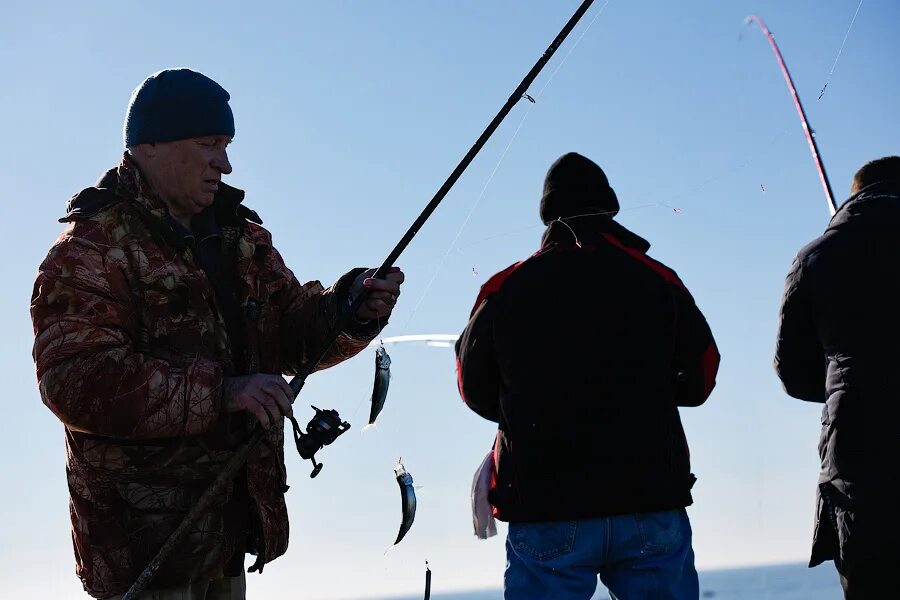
column 839, row 343
column 582, row 354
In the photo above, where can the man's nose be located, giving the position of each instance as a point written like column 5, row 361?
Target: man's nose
column 221, row 163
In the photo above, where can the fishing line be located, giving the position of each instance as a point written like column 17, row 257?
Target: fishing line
column 838, row 57
column 443, row 260
column 480, row 197
column 572, row 231
column 572, row 49
column 497, row 236
column 603, row 213
column 721, row 174
column 731, row 171
column 542, row 226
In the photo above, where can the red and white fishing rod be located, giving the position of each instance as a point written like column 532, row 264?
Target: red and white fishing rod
column 810, row 134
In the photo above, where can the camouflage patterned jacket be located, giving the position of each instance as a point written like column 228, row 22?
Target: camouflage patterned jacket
column 131, row 346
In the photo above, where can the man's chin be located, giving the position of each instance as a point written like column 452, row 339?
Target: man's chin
column 205, row 200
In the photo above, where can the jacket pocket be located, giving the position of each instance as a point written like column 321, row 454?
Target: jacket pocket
column 543, row 541
column 171, row 315
column 660, row 532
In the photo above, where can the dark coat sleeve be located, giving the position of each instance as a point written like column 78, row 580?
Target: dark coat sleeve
column 799, row 356
column 309, row 315
column 477, row 371
column 696, row 354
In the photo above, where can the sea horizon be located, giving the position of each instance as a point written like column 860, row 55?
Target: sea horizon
column 784, row 581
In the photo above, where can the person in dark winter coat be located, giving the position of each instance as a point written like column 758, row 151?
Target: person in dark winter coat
column 839, row 343
column 582, row 354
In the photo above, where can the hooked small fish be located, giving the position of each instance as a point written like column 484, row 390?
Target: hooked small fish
column 408, row 498
column 380, row 387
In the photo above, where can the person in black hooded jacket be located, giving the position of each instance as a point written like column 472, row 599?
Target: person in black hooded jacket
column 839, row 343
column 582, row 354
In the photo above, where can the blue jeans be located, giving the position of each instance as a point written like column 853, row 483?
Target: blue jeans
column 638, row 557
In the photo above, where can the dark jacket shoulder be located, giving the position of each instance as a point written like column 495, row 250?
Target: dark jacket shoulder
column 873, row 210
column 92, row 200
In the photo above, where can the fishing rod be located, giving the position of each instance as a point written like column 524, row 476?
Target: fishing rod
column 329, row 419
column 810, row 134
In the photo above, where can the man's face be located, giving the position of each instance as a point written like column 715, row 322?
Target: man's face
column 186, row 174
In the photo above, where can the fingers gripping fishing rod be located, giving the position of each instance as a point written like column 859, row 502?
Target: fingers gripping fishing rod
column 810, row 134
column 238, row 459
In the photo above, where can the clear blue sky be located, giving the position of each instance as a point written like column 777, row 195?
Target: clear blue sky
column 349, row 116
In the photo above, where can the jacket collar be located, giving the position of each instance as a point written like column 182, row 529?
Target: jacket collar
column 126, row 183
column 875, row 207
column 590, row 230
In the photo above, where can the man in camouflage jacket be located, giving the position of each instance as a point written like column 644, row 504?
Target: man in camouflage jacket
column 164, row 319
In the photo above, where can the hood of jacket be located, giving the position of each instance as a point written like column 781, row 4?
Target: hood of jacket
column 874, row 208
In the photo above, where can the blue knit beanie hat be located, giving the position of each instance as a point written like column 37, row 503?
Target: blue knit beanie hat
column 176, row 104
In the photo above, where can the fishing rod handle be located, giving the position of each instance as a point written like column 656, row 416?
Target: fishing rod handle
column 215, row 489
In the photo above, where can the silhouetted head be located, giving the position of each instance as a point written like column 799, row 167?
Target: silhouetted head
column 877, row 171
column 576, row 185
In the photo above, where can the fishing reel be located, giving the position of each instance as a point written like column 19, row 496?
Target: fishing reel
column 322, row 429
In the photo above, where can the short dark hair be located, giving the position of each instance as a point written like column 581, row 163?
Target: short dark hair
column 881, row 169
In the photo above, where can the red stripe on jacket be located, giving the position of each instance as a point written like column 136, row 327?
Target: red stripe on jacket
column 662, row 270
column 496, row 281
column 493, row 285
column 710, row 362
column 459, row 380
